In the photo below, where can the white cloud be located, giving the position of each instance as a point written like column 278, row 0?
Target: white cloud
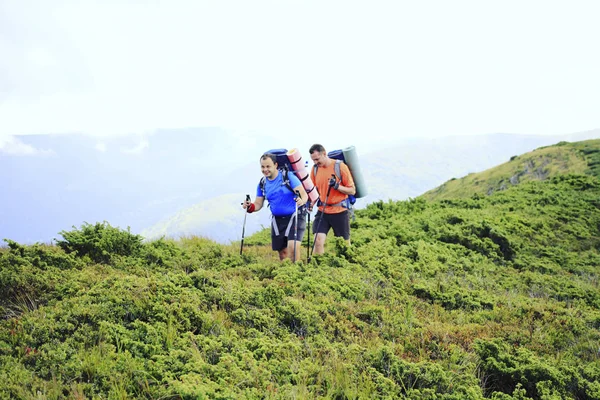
column 13, row 146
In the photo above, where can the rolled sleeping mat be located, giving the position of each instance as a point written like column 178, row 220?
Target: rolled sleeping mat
column 311, row 190
column 350, row 157
column 295, row 159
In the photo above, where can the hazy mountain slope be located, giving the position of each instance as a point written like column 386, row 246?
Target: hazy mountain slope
column 400, row 172
column 131, row 180
column 221, row 218
column 540, row 164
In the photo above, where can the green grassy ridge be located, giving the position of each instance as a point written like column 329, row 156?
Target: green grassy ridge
column 543, row 163
column 485, row 297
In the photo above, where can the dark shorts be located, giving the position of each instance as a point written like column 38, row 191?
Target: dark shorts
column 279, row 238
column 339, row 222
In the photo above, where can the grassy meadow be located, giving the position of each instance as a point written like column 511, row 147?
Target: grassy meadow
column 467, row 296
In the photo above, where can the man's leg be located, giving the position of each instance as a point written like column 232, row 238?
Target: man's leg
column 321, row 223
column 320, row 243
column 295, row 238
column 283, row 253
column 341, row 225
column 279, row 242
column 290, row 249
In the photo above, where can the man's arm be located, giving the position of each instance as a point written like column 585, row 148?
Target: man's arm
column 346, row 185
column 258, row 203
column 303, row 195
column 347, row 189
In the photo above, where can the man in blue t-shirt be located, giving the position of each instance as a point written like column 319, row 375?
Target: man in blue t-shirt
column 283, row 203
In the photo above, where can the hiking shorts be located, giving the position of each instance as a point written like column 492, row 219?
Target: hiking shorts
column 283, row 229
column 340, row 223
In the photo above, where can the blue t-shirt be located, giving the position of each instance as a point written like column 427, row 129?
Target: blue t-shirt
column 280, row 197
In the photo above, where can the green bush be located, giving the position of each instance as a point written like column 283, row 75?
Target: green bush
column 101, row 242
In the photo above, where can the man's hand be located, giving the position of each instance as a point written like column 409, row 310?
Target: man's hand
column 248, row 206
column 334, row 183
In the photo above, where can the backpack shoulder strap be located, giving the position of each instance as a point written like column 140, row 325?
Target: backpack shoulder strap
column 262, row 185
column 337, row 169
column 286, row 180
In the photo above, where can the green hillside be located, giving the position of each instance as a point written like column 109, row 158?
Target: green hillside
column 491, row 297
column 543, row 163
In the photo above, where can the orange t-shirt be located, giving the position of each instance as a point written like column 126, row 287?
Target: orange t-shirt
column 321, row 181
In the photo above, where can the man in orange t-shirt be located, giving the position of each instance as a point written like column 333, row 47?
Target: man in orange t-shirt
column 331, row 215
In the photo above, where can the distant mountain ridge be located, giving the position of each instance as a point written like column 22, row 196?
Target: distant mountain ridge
column 541, row 164
column 420, row 165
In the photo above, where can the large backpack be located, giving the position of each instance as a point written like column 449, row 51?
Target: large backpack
column 284, row 166
column 348, row 203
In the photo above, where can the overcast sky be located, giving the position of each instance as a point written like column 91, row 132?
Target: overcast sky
column 367, row 69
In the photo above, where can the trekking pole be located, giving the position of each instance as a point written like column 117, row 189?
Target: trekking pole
column 308, row 206
column 244, row 226
column 319, row 223
column 308, row 240
column 295, row 226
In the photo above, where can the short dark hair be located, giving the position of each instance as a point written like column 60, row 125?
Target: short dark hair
column 316, row 147
column 272, row 156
